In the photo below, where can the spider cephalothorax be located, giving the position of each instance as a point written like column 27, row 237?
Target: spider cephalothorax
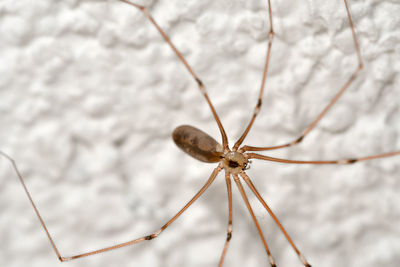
column 235, row 162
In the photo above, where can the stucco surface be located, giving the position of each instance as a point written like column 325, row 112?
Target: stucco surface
column 90, row 94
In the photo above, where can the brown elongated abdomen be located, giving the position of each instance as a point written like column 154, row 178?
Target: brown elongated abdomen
column 197, row 144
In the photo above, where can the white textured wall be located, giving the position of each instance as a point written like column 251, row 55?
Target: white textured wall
column 90, row 93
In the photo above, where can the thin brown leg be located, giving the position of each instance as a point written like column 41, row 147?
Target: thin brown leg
column 264, row 78
column 33, row 204
column 229, row 232
column 341, row 161
column 253, row 188
column 148, row 237
column 331, row 103
column 246, row 200
column 187, row 66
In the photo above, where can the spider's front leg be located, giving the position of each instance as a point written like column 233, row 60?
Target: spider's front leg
column 322, row 114
column 340, row 161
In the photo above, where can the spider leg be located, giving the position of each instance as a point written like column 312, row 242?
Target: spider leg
column 138, row 240
column 330, row 104
column 253, row 188
column 341, row 161
column 229, row 232
column 32, row 203
column 246, row 200
column 264, row 78
column 187, row 66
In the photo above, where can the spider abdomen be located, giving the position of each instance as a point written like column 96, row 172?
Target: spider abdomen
column 197, row 144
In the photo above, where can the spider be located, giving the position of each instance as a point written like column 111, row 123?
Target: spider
column 234, row 160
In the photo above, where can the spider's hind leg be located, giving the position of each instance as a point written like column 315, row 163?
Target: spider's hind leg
column 120, row 245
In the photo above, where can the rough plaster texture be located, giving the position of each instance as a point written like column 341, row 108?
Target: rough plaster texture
column 90, row 94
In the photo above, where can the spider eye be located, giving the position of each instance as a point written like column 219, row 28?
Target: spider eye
column 246, row 166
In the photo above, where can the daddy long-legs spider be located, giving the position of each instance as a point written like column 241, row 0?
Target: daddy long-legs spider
column 102, row 102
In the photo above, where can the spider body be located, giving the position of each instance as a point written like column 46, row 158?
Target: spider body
column 203, row 147
column 234, row 162
column 197, row 144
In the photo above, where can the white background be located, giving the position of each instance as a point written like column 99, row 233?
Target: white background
column 89, row 96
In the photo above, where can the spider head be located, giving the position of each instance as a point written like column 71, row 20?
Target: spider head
column 234, row 162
